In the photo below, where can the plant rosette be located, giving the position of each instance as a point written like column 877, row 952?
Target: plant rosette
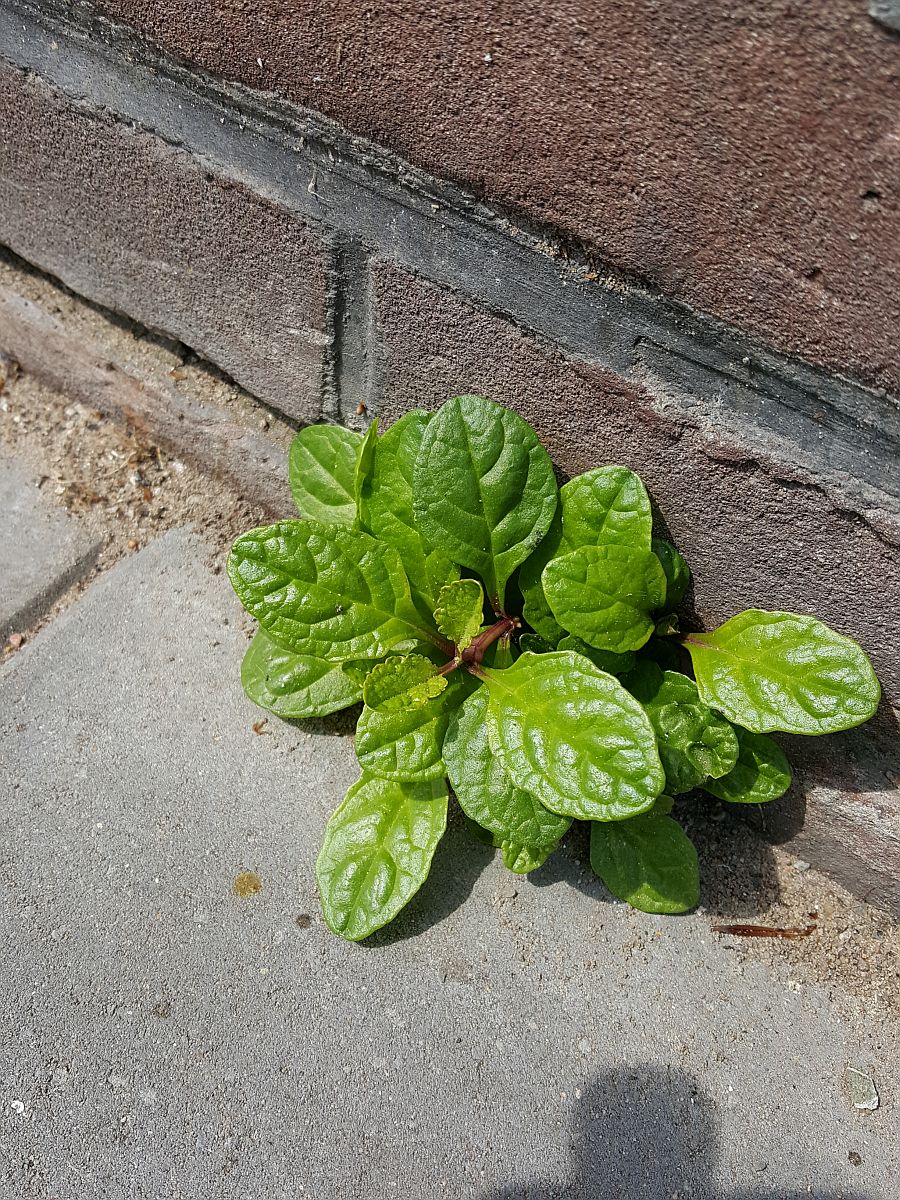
column 517, row 643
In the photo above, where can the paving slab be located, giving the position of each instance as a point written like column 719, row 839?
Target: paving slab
column 42, row 549
column 162, row 1036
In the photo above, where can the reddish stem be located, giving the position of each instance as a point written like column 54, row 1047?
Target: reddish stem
column 475, row 651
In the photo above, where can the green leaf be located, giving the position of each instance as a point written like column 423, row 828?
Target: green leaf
column 605, row 594
column 459, row 611
column 294, row 685
column 606, row 660
column 535, row 608
column 778, row 670
column 605, row 507
column 325, row 590
column 321, row 470
column 648, row 861
column 762, row 772
column 365, row 463
column 408, row 744
column 377, row 852
column 439, row 571
column 573, row 737
column 694, row 742
column 523, row 859
column 677, row 572
column 484, row 489
column 402, row 682
column 486, row 793
column 534, row 643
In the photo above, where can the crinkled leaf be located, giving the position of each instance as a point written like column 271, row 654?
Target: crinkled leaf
column 325, row 590
column 694, row 742
column 484, row 489
column 400, row 682
column 762, row 772
column 321, row 470
column 606, row 660
column 408, row 744
column 605, row 594
column 365, row 465
column 486, row 793
column 459, row 611
column 294, row 685
column 777, row 670
column 604, row 507
column 677, row 572
column 572, row 736
column 523, row 859
column 648, row 861
column 377, row 852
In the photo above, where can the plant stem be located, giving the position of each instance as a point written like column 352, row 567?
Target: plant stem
column 475, row 651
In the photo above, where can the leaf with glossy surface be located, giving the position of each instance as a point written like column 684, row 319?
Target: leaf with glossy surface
column 605, row 507
column 535, row 607
column 377, row 852
column 400, row 682
column 694, row 742
column 677, row 572
column 294, row 685
column 486, row 793
column 762, row 771
column 365, row 463
column 324, row 590
column 605, row 594
column 321, row 471
column 771, row 671
column 459, row 611
column 572, row 736
column 408, row 745
column 485, row 491
column 606, row 660
column 648, row 861
column 522, row 859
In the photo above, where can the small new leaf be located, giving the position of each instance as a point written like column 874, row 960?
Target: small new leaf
column 572, row 736
column 761, row 773
column 294, row 685
column 605, row 594
column 459, row 611
column 677, row 572
column 771, row 671
column 365, row 463
column 648, row 861
column 402, row 682
column 377, row 852
column 321, row 470
column 408, row 744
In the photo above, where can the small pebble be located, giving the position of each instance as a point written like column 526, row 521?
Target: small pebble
column 854, row 1158
column 800, row 865
column 860, row 1090
column 17, row 1106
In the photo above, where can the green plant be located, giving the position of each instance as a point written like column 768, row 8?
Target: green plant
column 546, row 682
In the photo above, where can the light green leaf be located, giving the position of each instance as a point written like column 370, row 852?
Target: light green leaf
column 606, row 660
column 777, row 670
column 535, row 608
column 484, row 489
column 572, row 736
column 377, row 852
column 365, row 464
column 459, row 611
column 439, row 571
column 648, row 861
column 294, row 685
column 523, row 859
column 694, row 742
column 486, row 793
column 402, row 682
column 605, row 594
column 325, row 590
column 677, row 572
column 407, row 745
column 321, row 470
column 762, row 772
column 605, row 507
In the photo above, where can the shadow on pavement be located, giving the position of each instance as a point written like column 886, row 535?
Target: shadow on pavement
column 647, row 1134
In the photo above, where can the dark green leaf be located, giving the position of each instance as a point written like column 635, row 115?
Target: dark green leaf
column 535, row 644
column 484, row 489
column 777, row 670
column 459, row 611
column 762, row 772
column 677, row 572
column 605, row 594
column 293, row 685
column 485, row 791
column 573, row 737
column 648, row 861
column 325, row 590
column 401, row 682
column 408, row 744
column 605, row 507
column 377, row 852
column 606, row 660
column 535, row 608
column 321, row 469
column 694, row 742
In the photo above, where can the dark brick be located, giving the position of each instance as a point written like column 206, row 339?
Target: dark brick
column 754, row 536
column 143, row 228
column 740, row 156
